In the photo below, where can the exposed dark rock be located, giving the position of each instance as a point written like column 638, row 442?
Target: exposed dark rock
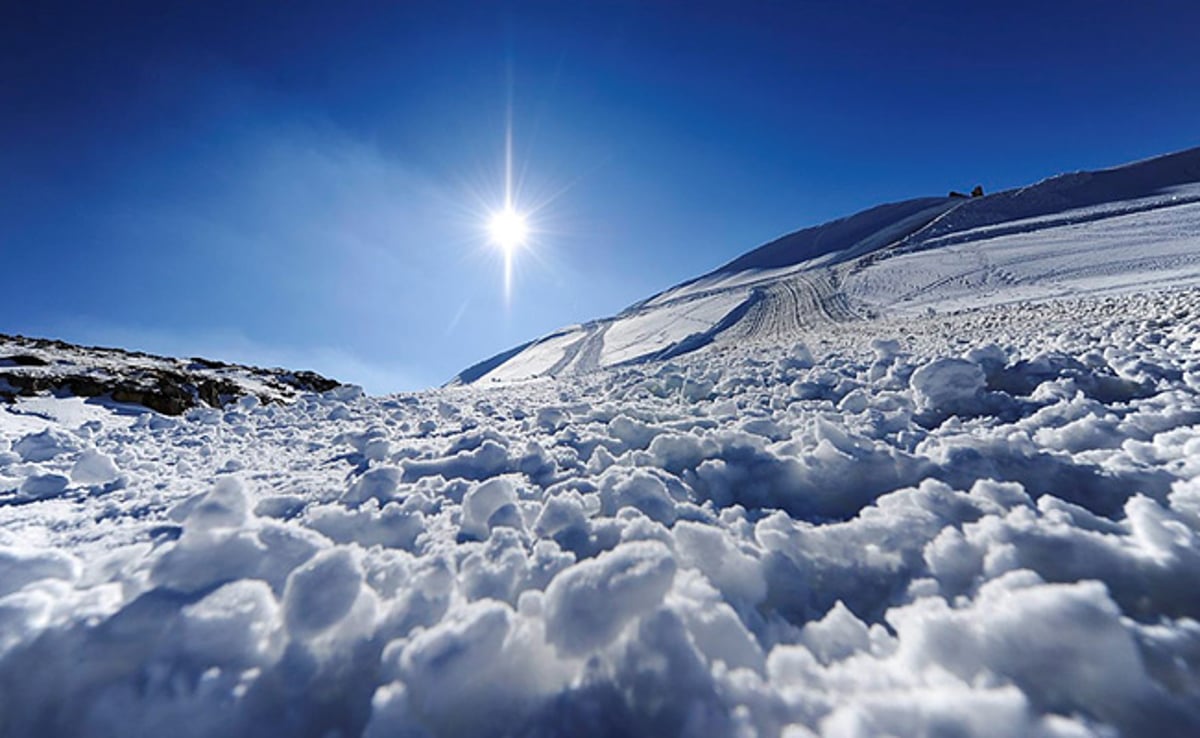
column 311, row 381
column 217, row 392
column 978, row 191
column 23, row 360
column 202, row 363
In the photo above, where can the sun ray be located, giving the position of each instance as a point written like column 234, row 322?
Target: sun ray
column 508, row 264
column 508, row 140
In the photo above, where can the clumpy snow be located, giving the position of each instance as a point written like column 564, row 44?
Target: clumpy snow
column 973, row 523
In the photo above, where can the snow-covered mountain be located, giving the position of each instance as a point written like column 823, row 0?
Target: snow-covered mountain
column 1098, row 232
column 932, row 470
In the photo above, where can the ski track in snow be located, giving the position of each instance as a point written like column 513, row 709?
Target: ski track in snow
column 973, row 523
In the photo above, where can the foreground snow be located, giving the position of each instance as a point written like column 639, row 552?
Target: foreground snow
column 981, row 523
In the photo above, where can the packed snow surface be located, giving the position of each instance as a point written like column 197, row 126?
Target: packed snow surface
column 947, row 488
column 981, row 523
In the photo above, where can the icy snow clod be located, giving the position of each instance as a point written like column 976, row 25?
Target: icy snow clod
column 93, row 467
column 321, row 592
column 483, row 501
column 45, row 445
column 225, row 506
column 42, row 486
column 237, row 626
column 949, row 385
column 378, row 484
column 20, row 566
column 589, row 604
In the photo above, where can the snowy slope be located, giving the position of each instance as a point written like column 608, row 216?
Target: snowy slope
column 973, row 520
column 1082, row 233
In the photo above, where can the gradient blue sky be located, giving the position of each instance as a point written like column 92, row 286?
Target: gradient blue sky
column 305, row 183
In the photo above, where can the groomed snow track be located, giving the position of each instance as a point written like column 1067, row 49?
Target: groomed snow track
column 793, row 306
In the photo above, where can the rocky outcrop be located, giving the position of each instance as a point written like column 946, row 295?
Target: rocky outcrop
column 32, row 366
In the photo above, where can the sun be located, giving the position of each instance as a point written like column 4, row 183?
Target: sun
column 508, row 229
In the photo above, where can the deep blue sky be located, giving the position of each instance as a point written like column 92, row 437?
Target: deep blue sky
column 306, row 183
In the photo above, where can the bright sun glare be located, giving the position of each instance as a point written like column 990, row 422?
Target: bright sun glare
column 508, row 229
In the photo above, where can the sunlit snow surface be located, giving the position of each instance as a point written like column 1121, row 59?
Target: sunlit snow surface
column 981, row 523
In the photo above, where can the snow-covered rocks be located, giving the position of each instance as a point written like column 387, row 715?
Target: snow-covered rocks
column 31, row 367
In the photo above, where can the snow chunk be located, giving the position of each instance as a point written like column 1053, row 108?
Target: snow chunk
column 321, row 592
column 712, row 551
column 45, row 445
column 488, row 460
column 633, row 433
column 238, row 625
column 836, row 636
column 551, row 419
column 798, row 357
column 949, row 385
column 640, row 490
column 93, row 468
column 43, row 486
column 589, row 604
column 1063, row 643
column 225, row 506
column 20, row 566
column 483, row 501
column 379, row 484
